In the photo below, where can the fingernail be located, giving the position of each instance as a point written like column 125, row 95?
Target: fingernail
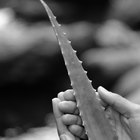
column 102, row 89
column 53, row 99
column 61, row 96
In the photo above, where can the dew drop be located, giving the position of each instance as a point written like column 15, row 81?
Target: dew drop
column 85, row 72
column 103, row 108
column 66, row 64
column 83, row 123
column 78, row 104
column 69, row 42
column 60, row 44
column 68, row 73
column 90, row 81
column 71, row 83
column 50, row 17
column 80, row 113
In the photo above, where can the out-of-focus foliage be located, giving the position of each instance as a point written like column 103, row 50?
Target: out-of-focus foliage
column 118, row 54
column 118, row 57
column 126, row 11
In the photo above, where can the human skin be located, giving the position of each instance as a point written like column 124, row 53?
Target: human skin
column 69, row 123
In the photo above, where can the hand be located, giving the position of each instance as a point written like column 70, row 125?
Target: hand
column 69, row 123
column 129, row 114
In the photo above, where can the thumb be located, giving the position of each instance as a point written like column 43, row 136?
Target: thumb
column 120, row 104
column 63, row 132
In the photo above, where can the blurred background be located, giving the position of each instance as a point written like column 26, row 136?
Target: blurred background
column 106, row 36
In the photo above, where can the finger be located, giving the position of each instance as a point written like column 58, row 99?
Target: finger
column 104, row 104
column 119, row 103
column 70, row 119
column 63, row 132
column 61, row 96
column 69, row 95
column 61, row 127
column 78, row 131
column 67, row 107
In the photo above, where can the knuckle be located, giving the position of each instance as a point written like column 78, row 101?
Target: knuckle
column 67, row 106
column 68, row 95
column 69, row 90
column 65, row 117
column 60, row 95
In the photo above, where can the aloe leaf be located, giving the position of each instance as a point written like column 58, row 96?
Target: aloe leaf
column 96, row 124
